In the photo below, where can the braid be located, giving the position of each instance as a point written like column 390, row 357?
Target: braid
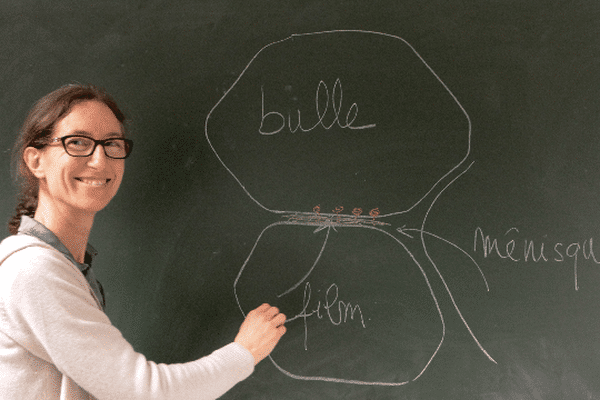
column 28, row 201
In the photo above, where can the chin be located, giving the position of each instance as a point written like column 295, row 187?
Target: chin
column 92, row 205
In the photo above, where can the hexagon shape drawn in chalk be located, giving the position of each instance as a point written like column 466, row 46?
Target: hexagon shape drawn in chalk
column 335, row 118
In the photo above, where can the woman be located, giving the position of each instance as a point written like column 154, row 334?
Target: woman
column 55, row 340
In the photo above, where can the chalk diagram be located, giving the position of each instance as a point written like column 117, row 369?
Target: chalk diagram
column 318, row 116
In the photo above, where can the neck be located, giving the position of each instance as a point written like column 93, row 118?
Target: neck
column 72, row 228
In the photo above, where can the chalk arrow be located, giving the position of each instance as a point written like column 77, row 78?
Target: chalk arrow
column 401, row 230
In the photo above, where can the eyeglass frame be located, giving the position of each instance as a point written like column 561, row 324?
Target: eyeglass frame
column 128, row 145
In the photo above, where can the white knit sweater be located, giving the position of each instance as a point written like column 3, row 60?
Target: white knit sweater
column 56, row 343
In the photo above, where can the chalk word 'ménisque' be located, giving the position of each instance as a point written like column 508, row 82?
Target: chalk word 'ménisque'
column 527, row 250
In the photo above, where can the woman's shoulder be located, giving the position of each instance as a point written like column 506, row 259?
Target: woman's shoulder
column 16, row 243
column 26, row 254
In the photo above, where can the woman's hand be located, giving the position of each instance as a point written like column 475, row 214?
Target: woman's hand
column 261, row 330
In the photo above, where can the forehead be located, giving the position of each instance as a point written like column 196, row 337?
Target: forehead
column 91, row 118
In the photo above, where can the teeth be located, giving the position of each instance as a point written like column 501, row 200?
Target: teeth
column 94, row 182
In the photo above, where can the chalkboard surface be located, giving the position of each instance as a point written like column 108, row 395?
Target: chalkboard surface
column 415, row 184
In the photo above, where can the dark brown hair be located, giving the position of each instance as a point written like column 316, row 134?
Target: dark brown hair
column 38, row 125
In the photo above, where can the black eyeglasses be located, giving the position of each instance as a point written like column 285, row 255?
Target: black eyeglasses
column 83, row 146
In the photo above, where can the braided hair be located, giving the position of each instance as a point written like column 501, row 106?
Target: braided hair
column 38, row 126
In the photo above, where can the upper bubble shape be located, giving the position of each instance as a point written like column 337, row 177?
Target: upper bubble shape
column 343, row 118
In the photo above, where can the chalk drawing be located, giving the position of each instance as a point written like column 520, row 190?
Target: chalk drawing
column 329, row 114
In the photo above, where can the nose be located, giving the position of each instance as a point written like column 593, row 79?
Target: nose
column 98, row 158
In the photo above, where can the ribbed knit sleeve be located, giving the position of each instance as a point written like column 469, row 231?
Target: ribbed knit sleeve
column 48, row 309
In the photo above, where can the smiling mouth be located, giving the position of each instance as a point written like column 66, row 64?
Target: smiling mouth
column 94, row 182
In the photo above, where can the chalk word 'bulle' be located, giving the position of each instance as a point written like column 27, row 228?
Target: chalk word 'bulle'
column 321, row 111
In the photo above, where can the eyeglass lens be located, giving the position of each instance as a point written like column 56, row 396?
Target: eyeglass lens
column 81, row 146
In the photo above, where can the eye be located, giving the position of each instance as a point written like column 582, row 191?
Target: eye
column 78, row 143
column 115, row 143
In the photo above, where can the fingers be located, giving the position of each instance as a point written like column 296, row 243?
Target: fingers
column 269, row 313
column 262, row 308
column 279, row 319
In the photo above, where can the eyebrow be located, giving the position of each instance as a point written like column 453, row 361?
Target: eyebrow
column 110, row 135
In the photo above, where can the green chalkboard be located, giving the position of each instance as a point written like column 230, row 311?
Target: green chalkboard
column 413, row 183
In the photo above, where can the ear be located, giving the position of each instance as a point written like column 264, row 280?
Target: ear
column 33, row 160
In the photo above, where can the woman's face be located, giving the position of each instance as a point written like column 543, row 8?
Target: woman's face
column 82, row 183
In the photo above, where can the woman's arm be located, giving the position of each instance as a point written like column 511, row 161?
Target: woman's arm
column 52, row 313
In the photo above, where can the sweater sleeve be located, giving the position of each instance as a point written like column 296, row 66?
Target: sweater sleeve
column 51, row 312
